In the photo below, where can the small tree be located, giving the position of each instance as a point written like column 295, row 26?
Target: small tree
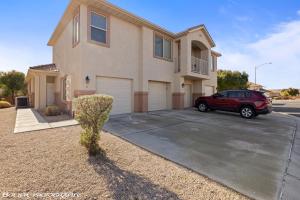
column 92, row 111
column 289, row 92
column 13, row 82
column 228, row 79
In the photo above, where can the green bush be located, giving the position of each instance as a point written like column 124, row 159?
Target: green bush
column 92, row 111
column 52, row 110
column 5, row 104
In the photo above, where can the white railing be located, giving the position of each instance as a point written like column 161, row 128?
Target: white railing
column 199, row 66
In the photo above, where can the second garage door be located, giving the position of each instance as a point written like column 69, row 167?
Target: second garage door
column 157, row 96
column 120, row 89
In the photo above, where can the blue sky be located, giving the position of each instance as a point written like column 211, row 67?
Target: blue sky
column 246, row 32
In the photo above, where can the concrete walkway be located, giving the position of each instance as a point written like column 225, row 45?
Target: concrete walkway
column 30, row 120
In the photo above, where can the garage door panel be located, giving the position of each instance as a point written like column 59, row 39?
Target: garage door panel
column 120, row 89
column 157, row 96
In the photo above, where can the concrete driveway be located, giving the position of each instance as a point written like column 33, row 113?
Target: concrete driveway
column 249, row 156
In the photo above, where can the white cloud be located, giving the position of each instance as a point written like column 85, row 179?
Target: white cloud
column 243, row 18
column 281, row 47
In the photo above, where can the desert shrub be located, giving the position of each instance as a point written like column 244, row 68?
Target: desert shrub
column 52, row 110
column 92, row 111
column 4, row 104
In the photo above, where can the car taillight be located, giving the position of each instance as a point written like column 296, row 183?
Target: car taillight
column 259, row 103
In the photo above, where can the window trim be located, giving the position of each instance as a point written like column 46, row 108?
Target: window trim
column 89, row 26
column 64, row 87
column 164, row 38
column 76, row 15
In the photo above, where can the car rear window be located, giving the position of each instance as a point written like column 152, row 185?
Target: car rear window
column 261, row 94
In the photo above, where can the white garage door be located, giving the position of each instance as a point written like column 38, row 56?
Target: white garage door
column 187, row 95
column 157, row 96
column 208, row 90
column 120, row 89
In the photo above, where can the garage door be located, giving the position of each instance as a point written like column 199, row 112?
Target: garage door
column 208, row 90
column 157, row 96
column 187, row 95
column 120, row 89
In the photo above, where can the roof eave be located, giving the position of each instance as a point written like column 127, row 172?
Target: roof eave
column 195, row 28
column 75, row 3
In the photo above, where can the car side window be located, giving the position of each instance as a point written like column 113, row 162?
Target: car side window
column 247, row 94
column 237, row 94
column 233, row 94
column 222, row 94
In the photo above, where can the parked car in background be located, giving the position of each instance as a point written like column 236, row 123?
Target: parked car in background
column 249, row 103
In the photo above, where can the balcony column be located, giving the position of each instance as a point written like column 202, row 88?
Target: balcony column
column 209, row 62
column 186, row 52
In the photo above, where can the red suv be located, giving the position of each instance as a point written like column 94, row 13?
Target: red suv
column 248, row 103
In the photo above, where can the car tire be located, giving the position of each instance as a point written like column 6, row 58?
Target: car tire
column 202, row 107
column 247, row 112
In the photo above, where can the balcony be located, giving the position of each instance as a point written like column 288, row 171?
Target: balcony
column 199, row 66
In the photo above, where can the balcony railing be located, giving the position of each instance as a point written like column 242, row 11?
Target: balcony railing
column 199, row 66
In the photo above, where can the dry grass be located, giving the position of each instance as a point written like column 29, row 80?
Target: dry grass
column 53, row 161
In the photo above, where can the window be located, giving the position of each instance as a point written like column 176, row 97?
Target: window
column 159, row 46
column 223, row 94
column 234, row 94
column 162, row 47
column 76, row 30
column 238, row 94
column 212, row 63
column 98, row 28
column 64, row 89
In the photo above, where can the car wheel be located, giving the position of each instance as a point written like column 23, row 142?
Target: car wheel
column 247, row 112
column 202, row 107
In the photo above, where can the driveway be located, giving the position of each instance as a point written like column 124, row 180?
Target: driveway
column 249, row 156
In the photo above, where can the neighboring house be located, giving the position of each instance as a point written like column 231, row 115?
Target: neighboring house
column 275, row 93
column 100, row 48
column 254, row 86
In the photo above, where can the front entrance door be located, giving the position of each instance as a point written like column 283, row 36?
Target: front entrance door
column 50, row 90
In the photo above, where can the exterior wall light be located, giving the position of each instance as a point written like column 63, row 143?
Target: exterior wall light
column 182, row 85
column 87, row 79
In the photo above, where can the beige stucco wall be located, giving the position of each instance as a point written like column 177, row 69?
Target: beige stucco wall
column 120, row 60
column 129, row 55
column 68, row 60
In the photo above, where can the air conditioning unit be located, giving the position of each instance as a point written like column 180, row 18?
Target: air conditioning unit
column 22, row 102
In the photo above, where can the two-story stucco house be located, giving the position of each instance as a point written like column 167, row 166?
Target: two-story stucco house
column 100, row 48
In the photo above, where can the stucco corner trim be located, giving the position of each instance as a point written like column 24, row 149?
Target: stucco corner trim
column 140, row 101
column 178, row 100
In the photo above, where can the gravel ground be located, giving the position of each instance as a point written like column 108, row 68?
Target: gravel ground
column 51, row 161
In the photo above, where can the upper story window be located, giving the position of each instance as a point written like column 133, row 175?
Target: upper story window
column 213, row 63
column 162, row 47
column 76, row 29
column 98, row 28
column 64, row 89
